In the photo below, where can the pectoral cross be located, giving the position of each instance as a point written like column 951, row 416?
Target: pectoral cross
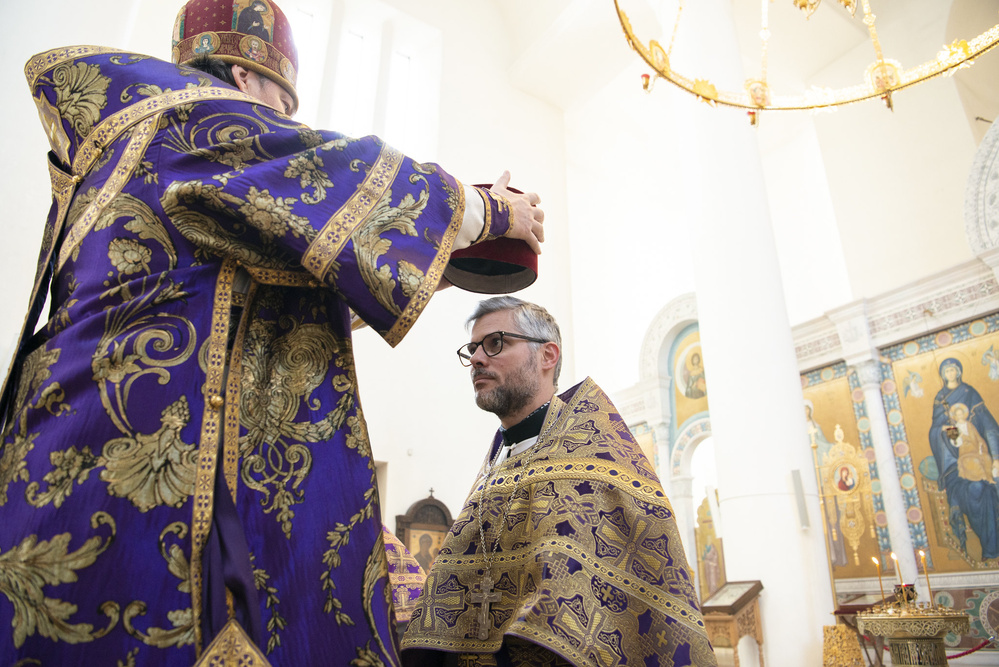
column 484, row 596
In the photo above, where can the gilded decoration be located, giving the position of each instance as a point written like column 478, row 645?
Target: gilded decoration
column 308, row 170
column 370, row 244
column 844, row 470
column 52, row 123
column 710, row 555
column 232, row 647
column 839, row 436
column 276, row 622
column 112, row 127
column 840, row 647
column 280, row 372
column 880, row 80
column 34, row 373
column 34, row 564
column 420, row 295
column 406, row 577
column 216, row 348
column 690, row 389
column 182, row 631
column 81, row 93
column 156, row 468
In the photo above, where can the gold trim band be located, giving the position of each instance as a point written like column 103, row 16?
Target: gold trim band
column 131, row 156
column 112, row 126
column 433, row 276
column 336, row 232
column 208, row 454
column 43, row 62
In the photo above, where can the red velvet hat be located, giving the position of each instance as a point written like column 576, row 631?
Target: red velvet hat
column 252, row 33
column 497, row 266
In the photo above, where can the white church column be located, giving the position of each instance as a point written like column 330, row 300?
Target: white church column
column 682, row 499
column 752, row 375
column 869, row 374
column 860, row 354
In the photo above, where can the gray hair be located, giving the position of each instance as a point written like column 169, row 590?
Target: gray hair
column 530, row 318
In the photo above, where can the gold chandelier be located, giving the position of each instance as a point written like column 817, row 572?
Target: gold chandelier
column 882, row 77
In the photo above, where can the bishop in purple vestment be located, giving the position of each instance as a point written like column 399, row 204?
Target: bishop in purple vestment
column 185, row 471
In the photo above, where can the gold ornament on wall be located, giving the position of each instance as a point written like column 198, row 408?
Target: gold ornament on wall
column 846, row 485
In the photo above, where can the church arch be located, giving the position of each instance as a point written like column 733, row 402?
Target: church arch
column 674, row 317
column 981, row 196
column 687, row 440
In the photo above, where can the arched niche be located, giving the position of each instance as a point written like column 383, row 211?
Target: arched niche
column 675, row 449
column 674, row 317
column 423, row 527
column 687, row 440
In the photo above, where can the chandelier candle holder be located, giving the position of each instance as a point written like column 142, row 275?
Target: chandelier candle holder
column 883, row 77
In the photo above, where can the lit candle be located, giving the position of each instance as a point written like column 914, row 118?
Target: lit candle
column 929, row 591
column 880, row 585
column 898, row 570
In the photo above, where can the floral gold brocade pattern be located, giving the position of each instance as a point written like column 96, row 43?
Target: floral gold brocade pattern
column 190, row 342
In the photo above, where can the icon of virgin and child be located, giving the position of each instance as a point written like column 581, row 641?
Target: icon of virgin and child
column 964, row 439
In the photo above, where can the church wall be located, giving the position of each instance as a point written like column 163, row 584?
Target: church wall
column 911, row 386
column 853, row 513
column 626, row 153
column 809, row 245
column 953, row 314
column 417, row 398
column 897, row 178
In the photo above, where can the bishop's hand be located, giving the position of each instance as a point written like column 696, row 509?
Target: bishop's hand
column 526, row 218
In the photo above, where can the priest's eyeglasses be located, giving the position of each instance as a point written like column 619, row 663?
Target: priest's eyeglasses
column 491, row 344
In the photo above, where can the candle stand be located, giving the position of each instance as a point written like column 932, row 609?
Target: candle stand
column 914, row 632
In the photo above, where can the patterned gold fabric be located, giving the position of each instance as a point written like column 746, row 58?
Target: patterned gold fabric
column 589, row 564
column 184, row 442
column 405, row 576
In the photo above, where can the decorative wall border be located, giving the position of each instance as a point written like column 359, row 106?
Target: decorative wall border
column 698, row 428
column 939, row 301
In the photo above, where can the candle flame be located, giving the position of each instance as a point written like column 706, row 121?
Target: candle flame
column 876, row 561
column 893, row 557
column 921, row 554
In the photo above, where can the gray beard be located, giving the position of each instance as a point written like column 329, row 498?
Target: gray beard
column 513, row 395
column 505, row 400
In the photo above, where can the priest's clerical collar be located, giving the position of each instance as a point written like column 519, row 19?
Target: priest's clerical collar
column 528, row 427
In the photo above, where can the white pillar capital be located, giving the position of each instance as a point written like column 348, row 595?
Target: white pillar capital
column 869, row 374
column 683, row 486
column 853, row 328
